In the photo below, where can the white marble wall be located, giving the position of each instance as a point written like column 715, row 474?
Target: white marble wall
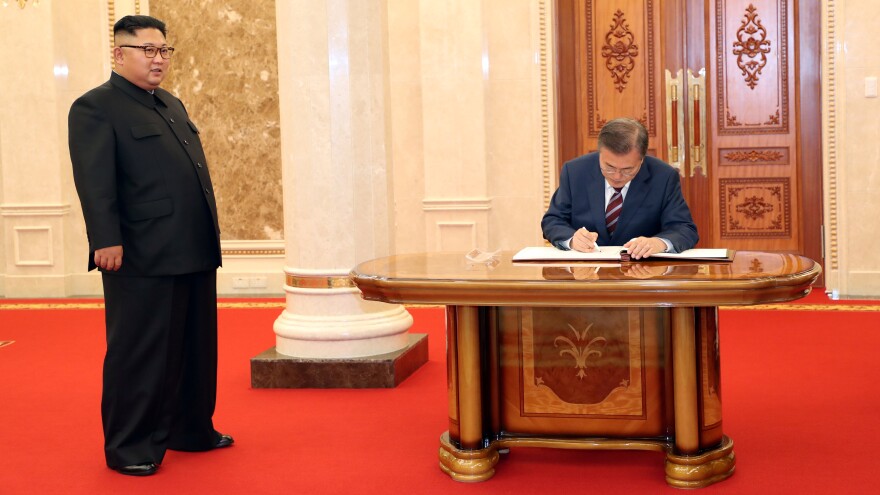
column 44, row 248
column 852, row 146
column 467, row 135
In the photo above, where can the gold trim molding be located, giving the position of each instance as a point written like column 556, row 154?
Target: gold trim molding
column 111, row 17
column 252, row 252
column 547, row 100
column 318, row 282
column 829, row 86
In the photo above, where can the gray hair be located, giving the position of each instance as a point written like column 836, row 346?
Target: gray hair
column 620, row 136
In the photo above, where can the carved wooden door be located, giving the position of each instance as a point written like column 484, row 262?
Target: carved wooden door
column 729, row 93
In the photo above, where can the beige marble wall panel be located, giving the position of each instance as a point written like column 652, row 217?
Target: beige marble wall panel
column 405, row 125
column 852, row 129
column 29, row 153
column 225, row 71
column 466, row 123
column 513, row 124
column 453, row 58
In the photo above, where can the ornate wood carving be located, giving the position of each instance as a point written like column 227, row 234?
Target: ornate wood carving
column 642, row 120
column 755, row 207
column 753, row 156
column 613, row 45
column 751, row 46
column 620, row 51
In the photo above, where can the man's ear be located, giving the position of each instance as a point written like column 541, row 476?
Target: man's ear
column 117, row 55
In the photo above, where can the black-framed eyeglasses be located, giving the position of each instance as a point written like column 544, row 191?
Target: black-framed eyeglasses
column 151, row 51
column 626, row 172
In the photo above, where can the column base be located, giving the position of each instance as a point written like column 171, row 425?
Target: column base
column 467, row 465
column 681, row 471
column 701, row 470
column 273, row 370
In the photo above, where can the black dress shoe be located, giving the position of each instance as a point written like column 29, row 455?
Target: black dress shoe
column 224, row 441
column 138, row 469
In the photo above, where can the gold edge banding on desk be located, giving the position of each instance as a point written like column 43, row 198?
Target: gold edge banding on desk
column 319, row 282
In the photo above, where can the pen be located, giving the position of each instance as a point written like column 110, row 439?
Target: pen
column 595, row 244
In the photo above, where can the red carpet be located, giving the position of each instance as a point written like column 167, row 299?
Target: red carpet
column 800, row 403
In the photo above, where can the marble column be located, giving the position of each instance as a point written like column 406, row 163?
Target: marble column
column 332, row 59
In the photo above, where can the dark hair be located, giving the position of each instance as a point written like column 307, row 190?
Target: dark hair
column 131, row 24
column 620, row 136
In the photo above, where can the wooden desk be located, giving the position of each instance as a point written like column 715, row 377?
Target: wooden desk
column 602, row 356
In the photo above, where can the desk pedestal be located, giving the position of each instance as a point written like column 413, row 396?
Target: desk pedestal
column 638, row 378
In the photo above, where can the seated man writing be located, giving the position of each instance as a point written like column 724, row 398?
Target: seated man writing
column 617, row 196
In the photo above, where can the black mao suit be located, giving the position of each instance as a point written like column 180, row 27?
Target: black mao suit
column 653, row 206
column 143, row 183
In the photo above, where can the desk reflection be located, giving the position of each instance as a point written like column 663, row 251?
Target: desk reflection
column 615, row 271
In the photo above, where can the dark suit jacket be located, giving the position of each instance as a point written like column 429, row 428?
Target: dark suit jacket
column 653, row 206
column 143, row 180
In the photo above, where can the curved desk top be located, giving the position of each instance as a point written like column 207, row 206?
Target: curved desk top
column 449, row 278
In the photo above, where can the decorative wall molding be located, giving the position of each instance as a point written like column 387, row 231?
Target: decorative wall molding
column 254, row 248
column 830, row 117
column 34, row 210
column 457, row 204
column 445, row 228
column 548, row 101
column 19, row 240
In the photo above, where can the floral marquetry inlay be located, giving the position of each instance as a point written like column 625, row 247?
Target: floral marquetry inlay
column 620, row 51
column 582, row 361
column 751, row 47
column 579, row 348
column 755, row 208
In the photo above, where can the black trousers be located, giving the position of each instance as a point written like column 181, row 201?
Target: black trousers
column 160, row 370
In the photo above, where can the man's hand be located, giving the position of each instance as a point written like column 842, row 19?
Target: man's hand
column 643, row 247
column 584, row 240
column 109, row 258
column 636, row 270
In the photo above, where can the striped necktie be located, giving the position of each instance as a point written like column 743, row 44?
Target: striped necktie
column 612, row 212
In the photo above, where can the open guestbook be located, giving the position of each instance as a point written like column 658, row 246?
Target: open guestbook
column 618, row 253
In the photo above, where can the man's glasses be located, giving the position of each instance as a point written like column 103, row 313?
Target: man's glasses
column 151, row 51
column 626, row 172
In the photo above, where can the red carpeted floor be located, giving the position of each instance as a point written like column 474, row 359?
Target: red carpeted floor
column 800, row 402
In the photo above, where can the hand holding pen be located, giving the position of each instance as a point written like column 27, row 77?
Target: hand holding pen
column 584, row 241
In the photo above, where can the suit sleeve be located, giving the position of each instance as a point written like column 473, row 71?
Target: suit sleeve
column 92, row 145
column 676, row 223
column 556, row 224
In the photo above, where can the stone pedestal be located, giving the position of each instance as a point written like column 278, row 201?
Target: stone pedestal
column 273, row 370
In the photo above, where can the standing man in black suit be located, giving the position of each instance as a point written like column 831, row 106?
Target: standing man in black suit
column 618, row 196
column 151, row 219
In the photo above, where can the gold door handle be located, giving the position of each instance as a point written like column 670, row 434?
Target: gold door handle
column 697, row 129
column 675, row 121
